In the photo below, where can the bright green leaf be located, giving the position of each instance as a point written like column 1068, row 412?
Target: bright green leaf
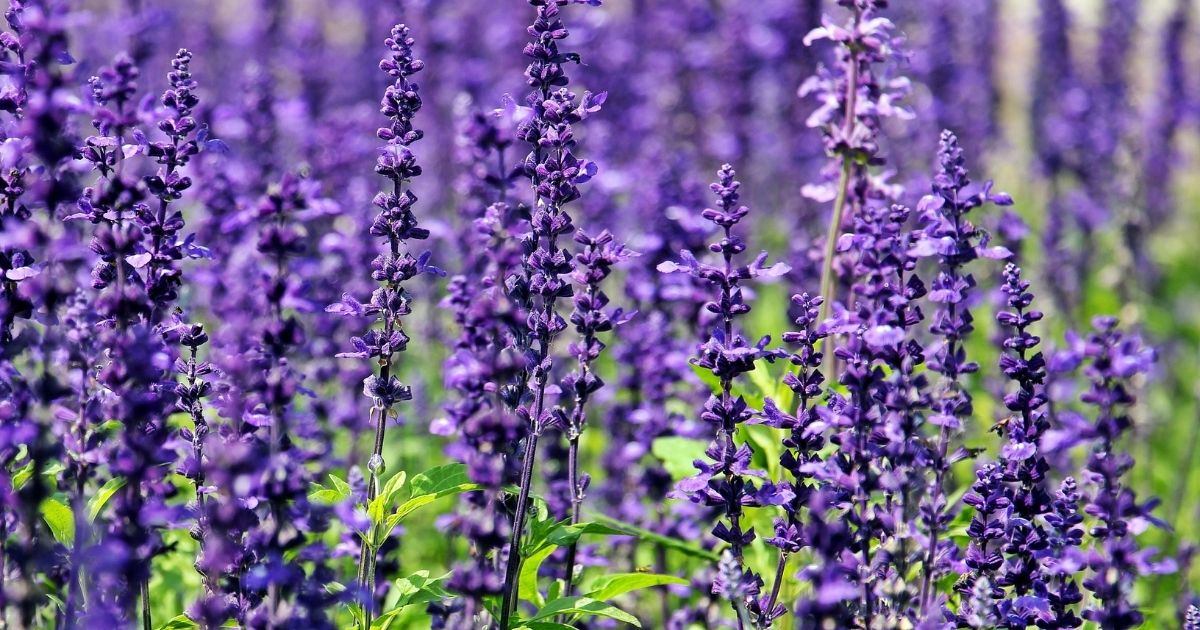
column 61, row 520
column 668, row 542
column 393, row 486
column 417, row 588
column 179, row 622
column 584, row 606
column 678, row 454
column 439, row 479
column 96, row 504
column 615, row 585
column 527, row 580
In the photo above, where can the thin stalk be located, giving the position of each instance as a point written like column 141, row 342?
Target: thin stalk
column 576, row 501
column 514, row 544
column 828, row 286
column 575, row 430
column 780, row 569
column 147, row 623
column 366, row 558
column 843, row 191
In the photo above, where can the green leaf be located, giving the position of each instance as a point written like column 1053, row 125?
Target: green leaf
column 546, row 625
column 768, row 444
column 417, row 588
column 527, row 580
column 21, row 477
column 584, row 606
column 384, row 526
column 25, row 473
column 568, row 534
column 678, row 454
column 674, row 544
column 335, row 493
column 439, row 479
column 96, row 504
column 615, row 585
column 61, row 520
column 179, row 622
column 707, row 377
column 392, row 488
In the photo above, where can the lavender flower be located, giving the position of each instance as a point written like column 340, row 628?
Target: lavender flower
column 394, row 266
column 1114, row 359
column 555, row 174
column 955, row 242
column 854, row 100
column 591, row 317
column 726, row 480
column 805, row 438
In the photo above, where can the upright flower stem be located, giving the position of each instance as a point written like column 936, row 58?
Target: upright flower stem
column 554, row 173
column 828, row 282
column 593, row 264
column 397, row 224
column 514, row 544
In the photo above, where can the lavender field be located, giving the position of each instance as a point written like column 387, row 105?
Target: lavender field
column 553, row 314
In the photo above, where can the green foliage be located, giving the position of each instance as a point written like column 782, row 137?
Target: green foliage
column 61, row 520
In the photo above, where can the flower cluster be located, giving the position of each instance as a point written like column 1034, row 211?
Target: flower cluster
column 565, row 433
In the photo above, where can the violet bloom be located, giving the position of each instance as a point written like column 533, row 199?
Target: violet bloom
column 854, row 99
column 878, row 430
column 555, row 173
column 167, row 185
column 591, row 317
column 1022, row 458
column 726, row 480
column 1113, row 360
column 395, row 265
column 482, row 366
column 142, row 283
column 804, row 440
column 1161, row 153
column 833, row 582
column 1062, row 559
column 949, row 236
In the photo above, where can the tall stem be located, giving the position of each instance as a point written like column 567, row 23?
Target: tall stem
column 147, row 623
column 576, row 501
column 780, row 569
column 828, row 289
column 514, row 544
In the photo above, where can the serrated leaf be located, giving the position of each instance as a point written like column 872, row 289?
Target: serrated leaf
column 417, row 588
column 61, row 520
column 439, row 479
column 678, row 454
column 96, row 504
column 609, row 586
column 179, row 622
column 584, row 607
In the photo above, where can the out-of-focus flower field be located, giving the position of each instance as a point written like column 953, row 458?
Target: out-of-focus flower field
column 452, row 314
